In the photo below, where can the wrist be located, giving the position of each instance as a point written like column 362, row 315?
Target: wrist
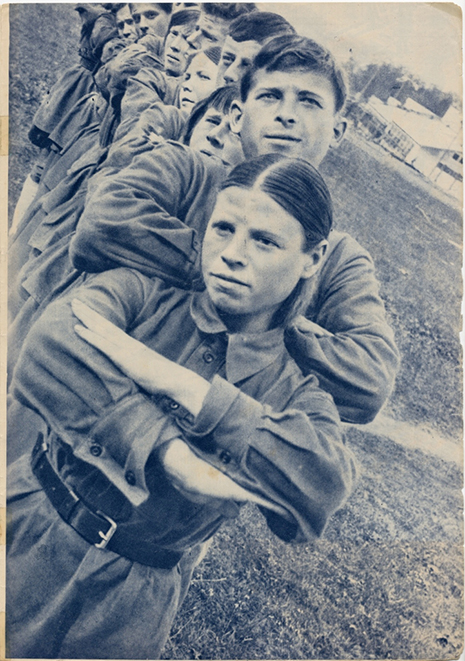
column 187, row 388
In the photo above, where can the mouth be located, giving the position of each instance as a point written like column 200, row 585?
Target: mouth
column 228, row 278
column 185, row 99
column 172, row 58
column 282, row 137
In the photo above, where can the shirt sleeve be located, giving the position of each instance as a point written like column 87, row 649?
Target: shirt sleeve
column 294, row 459
column 357, row 360
column 134, row 218
column 143, row 90
column 87, row 401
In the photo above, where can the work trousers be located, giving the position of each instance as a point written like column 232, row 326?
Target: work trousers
column 69, row 599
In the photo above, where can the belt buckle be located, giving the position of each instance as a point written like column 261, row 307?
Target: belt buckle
column 109, row 534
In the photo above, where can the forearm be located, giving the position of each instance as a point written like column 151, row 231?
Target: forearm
column 130, row 219
column 294, row 460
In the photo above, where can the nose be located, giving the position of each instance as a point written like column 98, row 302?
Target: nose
column 176, row 44
column 143, row 25
column 216, row 136
column 231, row 75
column 286, row 112
column 234, row 254
column 194, row 39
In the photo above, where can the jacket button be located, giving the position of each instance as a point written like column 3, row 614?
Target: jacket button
column 95, row 450
column 130, row 478
column 225, row 456
column 174, row 406
column 208, row 357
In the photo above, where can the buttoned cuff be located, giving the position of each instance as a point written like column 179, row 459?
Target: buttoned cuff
column 223, row 418
column 121, row 442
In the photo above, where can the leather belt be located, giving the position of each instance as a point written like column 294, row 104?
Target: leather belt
column 95, row 527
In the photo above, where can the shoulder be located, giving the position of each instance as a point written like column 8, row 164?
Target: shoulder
column 294, row 390
column 343, row 245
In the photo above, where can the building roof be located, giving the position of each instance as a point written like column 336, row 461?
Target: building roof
column 426, row 131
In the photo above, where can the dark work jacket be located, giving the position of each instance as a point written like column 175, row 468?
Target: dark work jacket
column 271, row 430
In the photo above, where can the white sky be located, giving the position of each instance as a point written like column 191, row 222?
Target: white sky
column 425, row 38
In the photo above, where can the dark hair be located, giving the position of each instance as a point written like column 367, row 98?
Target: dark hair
column 295, row 185
column 182, row 17
column 289, row 52
column 213, row 53
column 259, row 26
column 164, row 6
column 228, row 11
column 300, row 190
column 221, row 99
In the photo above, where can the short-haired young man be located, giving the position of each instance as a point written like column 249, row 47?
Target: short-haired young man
column 214, row 21
column 247, row 34
column 291, row 103
column 125, row 24
column 295, row 109
column 151, row 17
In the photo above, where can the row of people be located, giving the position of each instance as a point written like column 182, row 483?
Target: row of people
column 187, row 328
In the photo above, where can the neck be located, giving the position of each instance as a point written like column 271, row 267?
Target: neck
column 247, row 323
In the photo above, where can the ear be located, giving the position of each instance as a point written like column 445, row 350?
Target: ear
column 314, row 259
column 340, row 126
column 235, row 117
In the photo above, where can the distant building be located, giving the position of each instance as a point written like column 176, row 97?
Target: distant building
column 416, row 136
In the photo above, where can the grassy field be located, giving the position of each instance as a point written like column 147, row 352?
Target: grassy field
column 386, row 580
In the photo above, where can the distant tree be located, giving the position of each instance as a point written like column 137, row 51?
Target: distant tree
column 386, row 80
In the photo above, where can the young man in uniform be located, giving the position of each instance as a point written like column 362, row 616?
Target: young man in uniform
column 246, row 36
column 125, row 24
column 291, row 103
column 214, row 21
column 151, row 17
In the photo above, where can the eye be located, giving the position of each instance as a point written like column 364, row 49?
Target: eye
column 120, row 26
column 151, row 15
column 213, row 120
column 203, row 76
column 130, row 21
column 223, row 228
column 267, row 96
column 136, row 17
column 227, row 59
column 265, row 242
column 311, row 102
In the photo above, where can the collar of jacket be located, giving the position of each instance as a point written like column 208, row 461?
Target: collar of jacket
column 246, row 353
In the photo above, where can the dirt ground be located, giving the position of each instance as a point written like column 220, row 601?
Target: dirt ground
column 386, row 580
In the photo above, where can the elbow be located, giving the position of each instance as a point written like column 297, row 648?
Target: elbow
column 83, row 256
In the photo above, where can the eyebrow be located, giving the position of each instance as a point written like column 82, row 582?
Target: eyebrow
column 266, row 234
column 275, row 90
column 314, row 95
column 207, row 34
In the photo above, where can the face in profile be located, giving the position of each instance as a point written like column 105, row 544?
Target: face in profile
column 150, row 19
column 213, row 137
column 290, row 112
column 177, row 49
column 236, row 58
column 125, row 24
column 209, row 31
column 199, row 81
column 253, row 257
